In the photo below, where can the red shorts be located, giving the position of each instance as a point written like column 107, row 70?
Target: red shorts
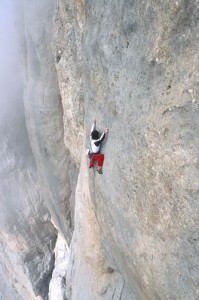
column 97, row 157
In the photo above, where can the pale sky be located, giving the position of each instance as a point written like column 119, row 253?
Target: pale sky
column 10, row 82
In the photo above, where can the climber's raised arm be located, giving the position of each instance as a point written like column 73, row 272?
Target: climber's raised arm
column 93, row 126
column 102, row 137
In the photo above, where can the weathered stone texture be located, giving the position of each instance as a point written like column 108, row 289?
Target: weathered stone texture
column 90, row 275
column 67, row 36
column 44, row 117
column 140, row 78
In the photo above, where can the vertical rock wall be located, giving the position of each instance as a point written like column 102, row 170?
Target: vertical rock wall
column 140, row 78
column 44, row 116
column 67, row 52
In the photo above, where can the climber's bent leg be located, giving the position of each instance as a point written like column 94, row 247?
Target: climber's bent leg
column 100, row 159
column 91, row 157
column 91, row 163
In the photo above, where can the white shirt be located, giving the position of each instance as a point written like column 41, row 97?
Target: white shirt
column 96, row 144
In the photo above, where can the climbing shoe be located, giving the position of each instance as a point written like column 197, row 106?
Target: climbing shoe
column 100, row 171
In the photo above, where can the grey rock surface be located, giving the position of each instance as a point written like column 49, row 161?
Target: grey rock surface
column 43, row 108
column 57, row 287
column 140, row 78
column 91, row 273
column 27, row 235
column 67, row 50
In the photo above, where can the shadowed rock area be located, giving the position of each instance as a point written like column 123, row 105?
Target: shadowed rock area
column 133, row 232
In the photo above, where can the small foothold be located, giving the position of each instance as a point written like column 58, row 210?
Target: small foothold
column 110, row 270
column 58, row 57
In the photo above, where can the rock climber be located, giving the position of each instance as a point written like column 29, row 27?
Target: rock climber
column 95, row 146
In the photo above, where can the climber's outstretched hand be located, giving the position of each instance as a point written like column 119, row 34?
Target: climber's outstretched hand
column 106, row 130
column 94, row 120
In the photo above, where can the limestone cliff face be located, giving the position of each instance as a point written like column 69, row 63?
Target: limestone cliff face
column 139, row 73
column 43, row 108
column 131, row 233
